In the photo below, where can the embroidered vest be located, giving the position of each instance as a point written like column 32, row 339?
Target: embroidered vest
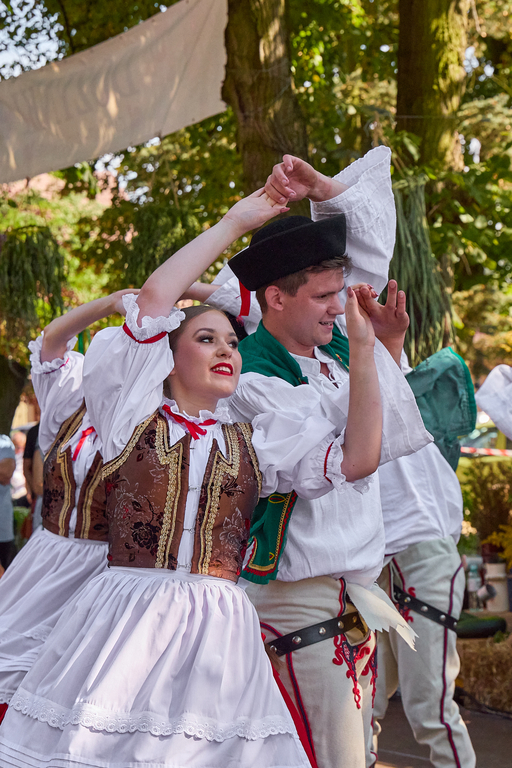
column 147, row 488
column 59, row 489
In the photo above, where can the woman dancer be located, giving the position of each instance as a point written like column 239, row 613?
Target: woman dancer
column 160, row 661
column 71, row 547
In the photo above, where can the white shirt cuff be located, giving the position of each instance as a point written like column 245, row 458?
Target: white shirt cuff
column 333, row 473
column 36, row 347
column 365, row 178
column 151, row 326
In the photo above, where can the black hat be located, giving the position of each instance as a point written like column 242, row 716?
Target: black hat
column 289, row 245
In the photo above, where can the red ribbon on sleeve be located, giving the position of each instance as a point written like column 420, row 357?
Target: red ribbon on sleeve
column 245, row 307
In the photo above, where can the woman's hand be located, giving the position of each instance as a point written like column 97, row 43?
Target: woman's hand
column 359, row 326
column 117, row 299
column 252, row 212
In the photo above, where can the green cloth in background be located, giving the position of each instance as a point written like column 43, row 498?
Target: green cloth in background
column 445, row 395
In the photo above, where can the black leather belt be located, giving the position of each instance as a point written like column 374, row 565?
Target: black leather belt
column 316, row 633
column 405, row 600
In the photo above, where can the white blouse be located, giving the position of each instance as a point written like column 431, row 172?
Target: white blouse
column 58, row 388
column 124, row 372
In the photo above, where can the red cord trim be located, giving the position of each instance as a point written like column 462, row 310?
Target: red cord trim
column 325, row 462
column 146, row 341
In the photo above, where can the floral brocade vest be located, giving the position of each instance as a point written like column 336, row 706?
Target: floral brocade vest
column 59, row 489
column 147, row 486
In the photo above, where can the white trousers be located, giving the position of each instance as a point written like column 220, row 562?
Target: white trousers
column 331, row 682
column 431, row 571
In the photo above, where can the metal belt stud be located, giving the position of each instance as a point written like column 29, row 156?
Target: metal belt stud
column 442, row 617
column 407, row 600
column 322, row 631
column 273, row 648
column 424, row 608
column 297, row 640
column 340, row 624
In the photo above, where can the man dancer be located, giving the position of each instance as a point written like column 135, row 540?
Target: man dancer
column 422, row 508
column 307, row 566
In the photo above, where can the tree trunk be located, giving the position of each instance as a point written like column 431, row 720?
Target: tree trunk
column 431, row 76
column 259, row 88
column 13, row 378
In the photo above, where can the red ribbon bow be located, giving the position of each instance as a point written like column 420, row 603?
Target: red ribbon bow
column 85, row 434
column 195, row 429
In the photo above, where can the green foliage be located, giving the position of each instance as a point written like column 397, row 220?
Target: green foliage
column 344, row 67
column 31, row 275
column 417, row 272
column 79, row 178
column 483, row 322
column 487, row 493
column 39, row 273
column 470, row 214
column 503, row 539
column 167, row 192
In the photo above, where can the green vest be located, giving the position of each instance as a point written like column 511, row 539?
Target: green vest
column 443, row 414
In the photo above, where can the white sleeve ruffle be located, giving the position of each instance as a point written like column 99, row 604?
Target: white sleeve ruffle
column 58, row 388
column 227, row 298
column 36, row 347
column 123, row 376
column 369, row 207
column 333, row 469
column 150, row 326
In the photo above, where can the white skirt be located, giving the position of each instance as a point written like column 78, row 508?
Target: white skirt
column 40, row 582
column 152, row 668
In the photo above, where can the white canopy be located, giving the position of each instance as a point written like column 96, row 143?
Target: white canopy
column 160, row 76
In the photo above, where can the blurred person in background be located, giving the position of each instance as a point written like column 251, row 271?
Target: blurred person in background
column 19, row 493
column 28, row 457
column 7, row 467
column 37, row 488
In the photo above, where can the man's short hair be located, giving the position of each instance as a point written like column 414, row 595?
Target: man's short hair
column 291, row 283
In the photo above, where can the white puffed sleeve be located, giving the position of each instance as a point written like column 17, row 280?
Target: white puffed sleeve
column 495, row 398
column 369, row 208
column 124, row 371
column 292, row 437
column 58, row 388
column 227, row 298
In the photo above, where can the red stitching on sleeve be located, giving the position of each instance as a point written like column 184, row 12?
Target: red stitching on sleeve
column 146, row 341
column 66, row 361
column 325, row 462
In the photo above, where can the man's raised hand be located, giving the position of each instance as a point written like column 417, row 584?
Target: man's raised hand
column 390, row 321
column 359, row 326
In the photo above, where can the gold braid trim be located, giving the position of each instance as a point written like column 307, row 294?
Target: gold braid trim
column 247, row 430
column 114, row 464
column 221, row 466
column 88, row 499
column 69, row 427
column 73, row 426
column 172, row 457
